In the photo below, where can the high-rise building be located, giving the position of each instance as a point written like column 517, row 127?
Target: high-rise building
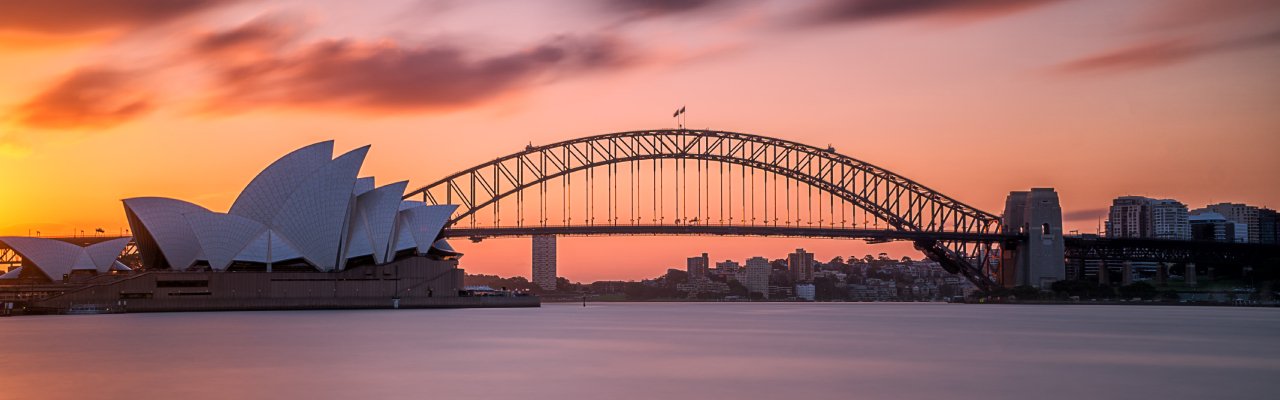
column 1127, row 217
column 1142, row 217
column 697, row 267
column 800, row 266
column 544, row 261
column 727, row 269
column 1169, row 220
column 1240, row 213
column 1268, row 225
column 757, row 275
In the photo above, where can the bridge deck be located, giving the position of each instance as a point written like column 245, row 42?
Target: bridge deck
column 723, row 230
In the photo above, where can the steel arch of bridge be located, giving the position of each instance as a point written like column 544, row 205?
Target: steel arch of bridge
column 903, row 204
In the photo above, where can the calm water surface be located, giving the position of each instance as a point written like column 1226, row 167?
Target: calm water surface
column 646, row 351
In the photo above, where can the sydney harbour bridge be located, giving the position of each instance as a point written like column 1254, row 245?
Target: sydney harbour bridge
column 700, row 182
column 703, row 182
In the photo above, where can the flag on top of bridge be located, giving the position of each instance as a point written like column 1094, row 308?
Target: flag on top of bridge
column 678, row 112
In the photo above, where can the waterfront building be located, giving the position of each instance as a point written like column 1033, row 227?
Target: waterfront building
column 805, row 291
column 1207, row 225
column 544, row 261
column 1169, row 220
column 696, row 286
column 1127, row 217
column 697, row 267
column 757, row 275
column 52, row 260
column 1142, row 217
column 1241, row 214
column 1268, row 225
column 800, row 266
column 306, row 233
column 727, row 269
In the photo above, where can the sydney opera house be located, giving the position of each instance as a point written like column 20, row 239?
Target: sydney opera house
column 307, row 232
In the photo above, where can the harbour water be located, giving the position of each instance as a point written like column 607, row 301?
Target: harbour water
column 653, row 350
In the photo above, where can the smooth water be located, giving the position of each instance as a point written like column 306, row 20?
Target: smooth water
column 653, row 351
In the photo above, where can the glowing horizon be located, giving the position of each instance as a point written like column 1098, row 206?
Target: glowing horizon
column 973, row 99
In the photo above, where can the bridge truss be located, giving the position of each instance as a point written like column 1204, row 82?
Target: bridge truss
column 712, row 182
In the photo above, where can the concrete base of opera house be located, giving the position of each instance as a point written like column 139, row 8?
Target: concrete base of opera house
column 415, row 282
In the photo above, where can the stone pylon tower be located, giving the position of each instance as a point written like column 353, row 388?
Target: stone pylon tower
column 1040, row 260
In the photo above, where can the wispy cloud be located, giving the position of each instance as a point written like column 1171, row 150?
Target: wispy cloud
column 95, row 97
column 385, row 75
column 1092, row 214
column 79, row 16
column 1160, row 53
column 854, row 11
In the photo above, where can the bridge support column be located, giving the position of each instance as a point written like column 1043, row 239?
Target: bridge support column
column 1041, row 260
column 544, row 262
column 1104, row 274
column 1190, row 276
column 1162, row 273
column 1126, row 278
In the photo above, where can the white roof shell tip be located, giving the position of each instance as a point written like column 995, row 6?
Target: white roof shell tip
column 314, row 217
column 425, row 224
column 268, row 192
column 106, row 253
column 376, row 210
column 223, row 236
column 162, row 220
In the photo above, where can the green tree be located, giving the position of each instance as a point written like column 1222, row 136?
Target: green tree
column 1140, row 290
column 1025, row 292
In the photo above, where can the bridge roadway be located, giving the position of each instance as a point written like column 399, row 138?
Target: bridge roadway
column 480, row 233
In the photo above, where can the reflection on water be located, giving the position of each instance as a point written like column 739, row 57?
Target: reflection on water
column 643, row 351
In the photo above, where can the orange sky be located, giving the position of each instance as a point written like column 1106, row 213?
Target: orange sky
column 101, row 101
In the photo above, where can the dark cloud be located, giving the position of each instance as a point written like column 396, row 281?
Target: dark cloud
column 845, row 11
column 88, row 98
column 77, row 16
column 1085, row 215
column 1162, row 53
column 380, row 76
column 261, row 34
column 656, row 8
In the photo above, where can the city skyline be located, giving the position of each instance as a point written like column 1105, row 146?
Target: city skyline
column 1095, row 99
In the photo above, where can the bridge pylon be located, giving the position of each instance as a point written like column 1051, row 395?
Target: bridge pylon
column 1040, row 260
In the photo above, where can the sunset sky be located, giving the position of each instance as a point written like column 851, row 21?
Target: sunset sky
column 188, row 99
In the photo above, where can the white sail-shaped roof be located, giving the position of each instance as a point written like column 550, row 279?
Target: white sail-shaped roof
column 376, row 210
column 223, row 236
column 117, row 266
column 104, row 254
column 315, row 215
column 53, row 257
column 12, row 274
column 363, row 185
column 443, row 245
column 256, row 251
column 425, row 223
column 83, row 262
column 160, row 227
column 358, row 242
column 403, row 239
column 268, row 192
column 57, row 258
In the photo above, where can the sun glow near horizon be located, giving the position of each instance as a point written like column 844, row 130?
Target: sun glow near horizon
column 1096, row 99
